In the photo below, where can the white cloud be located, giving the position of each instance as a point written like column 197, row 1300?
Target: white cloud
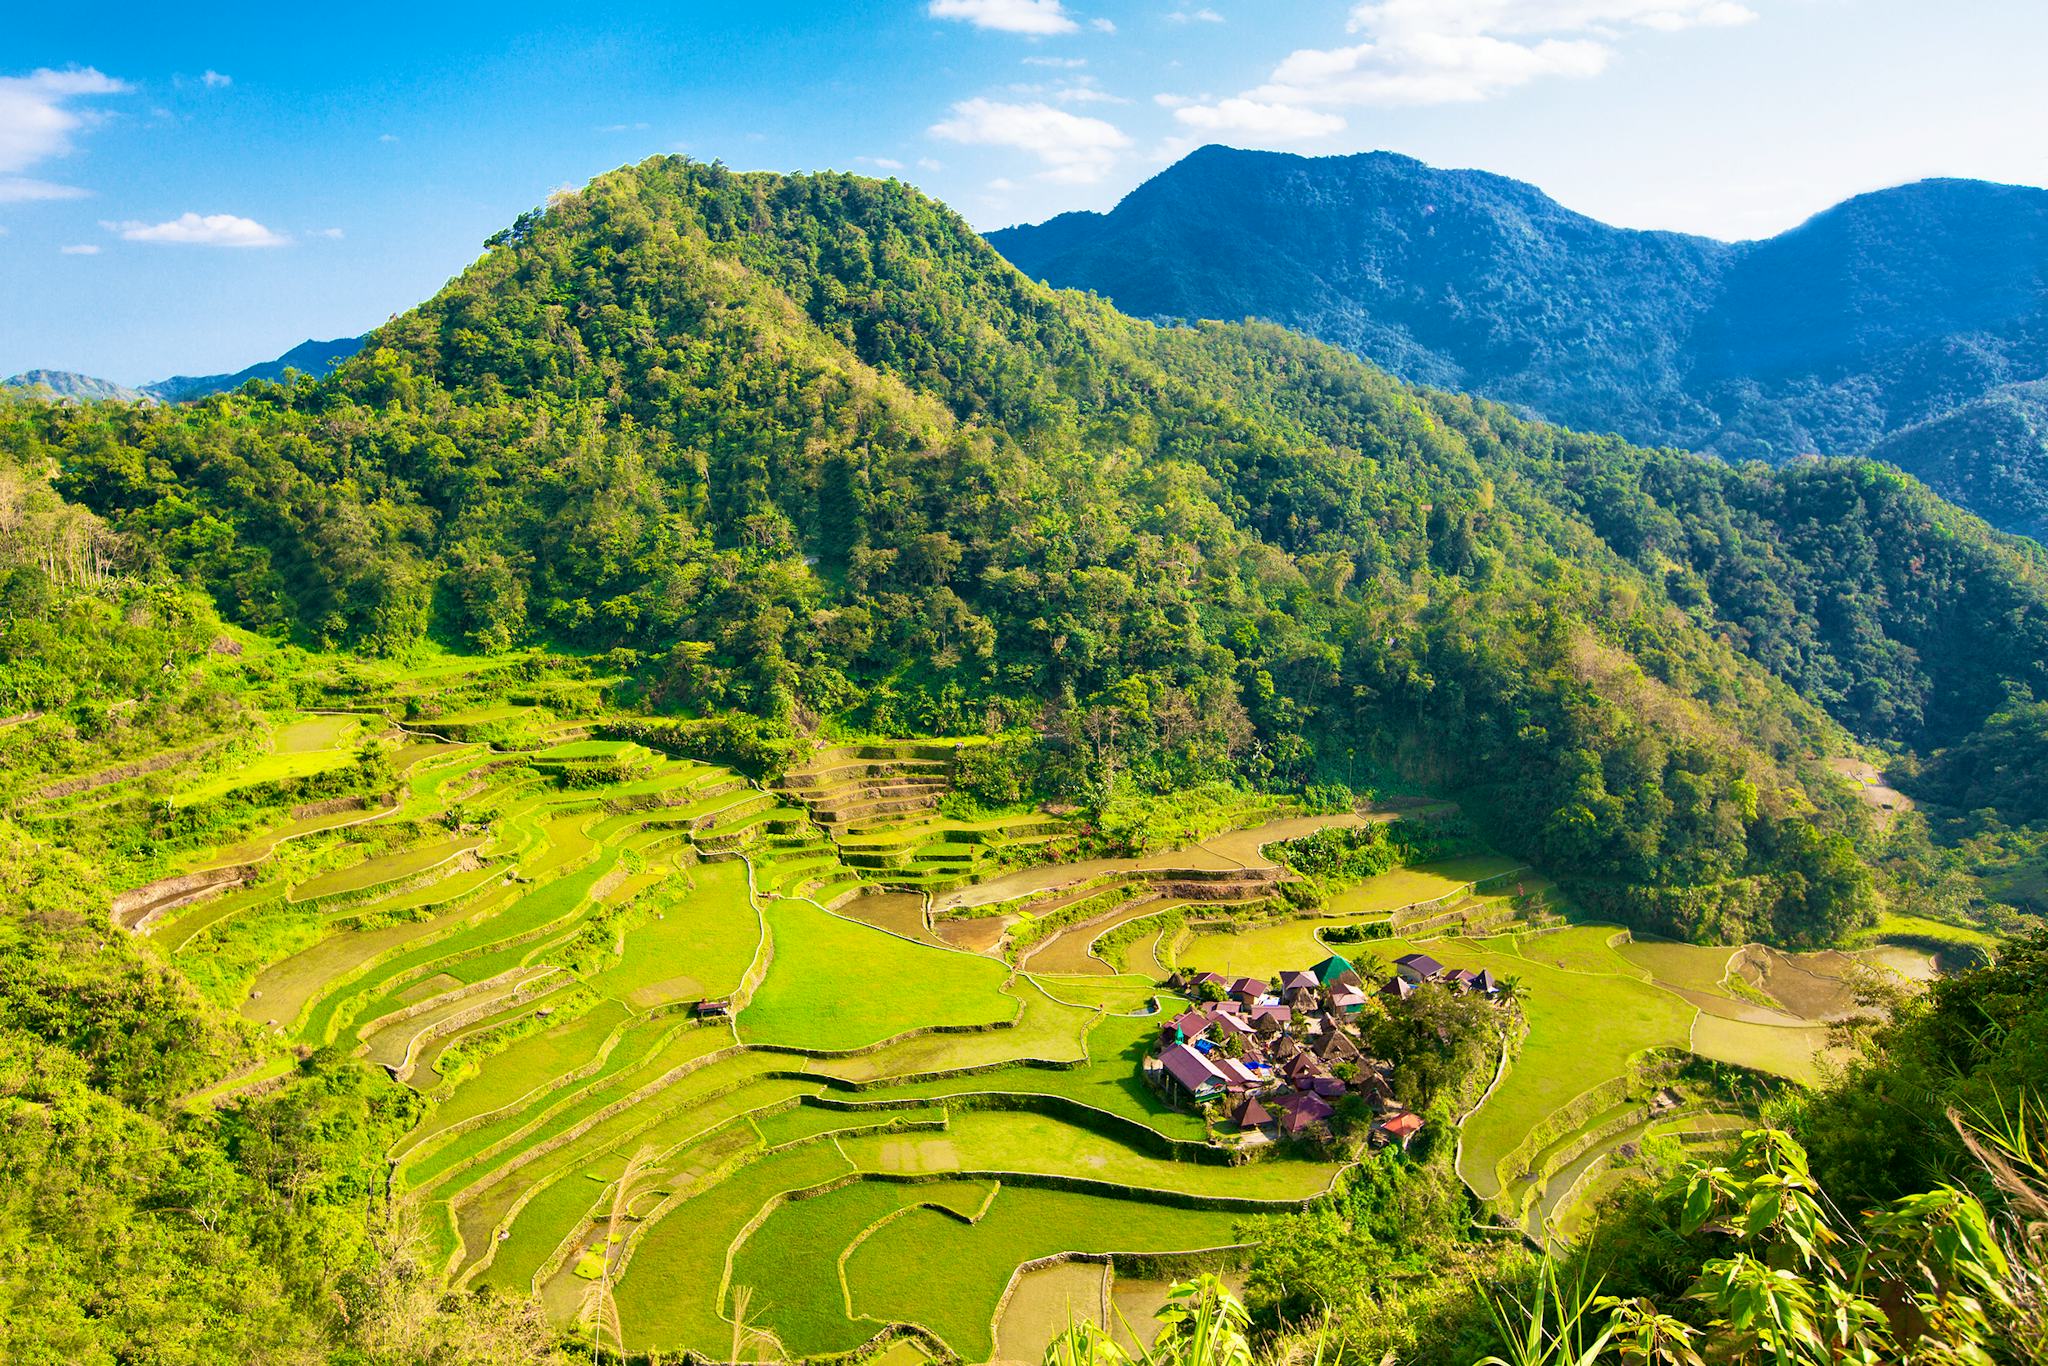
column 1080, row 90
column 203, row 230
column 1544, row 16
column 215, row 81
column 881, row 163
column 1102, row 25
column 81, row 249
column 333, row 234
column 1037, row 17
column 1085, row 91
column 387, row 137
column 1423, row 52
column 1195, row 16
column 1280, row 122
column 930, row 164
column 612, row 128
column 1427, row 68
column 1075, row 150
column 37, row 120
column 1058, row 63
column 20, row 189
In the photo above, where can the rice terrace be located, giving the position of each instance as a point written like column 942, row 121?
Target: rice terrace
column 791, row 1062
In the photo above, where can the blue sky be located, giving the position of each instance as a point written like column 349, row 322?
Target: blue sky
column 191, row 189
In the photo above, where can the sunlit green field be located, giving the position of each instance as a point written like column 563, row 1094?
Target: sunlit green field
column 811, row 1000
column 526, row 945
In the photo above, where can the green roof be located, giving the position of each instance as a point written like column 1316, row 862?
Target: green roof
column 1331, row 968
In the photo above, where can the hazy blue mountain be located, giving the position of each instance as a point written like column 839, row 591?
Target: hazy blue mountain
column 313, row 358
column 68, row 384
column 1882, row 312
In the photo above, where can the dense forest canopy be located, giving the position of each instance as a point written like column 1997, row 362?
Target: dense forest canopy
column 807, row 448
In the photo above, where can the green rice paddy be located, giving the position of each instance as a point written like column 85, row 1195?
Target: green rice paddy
column 932, row 1269
column 791, row 1262
column 811, row 1000
column 996, row 1142
column 923, row 1100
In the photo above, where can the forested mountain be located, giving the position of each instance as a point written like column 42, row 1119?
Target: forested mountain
column 806, row 447
column 1990, row 454
column 792, row 452
column 1884, row 311
column 313, row 358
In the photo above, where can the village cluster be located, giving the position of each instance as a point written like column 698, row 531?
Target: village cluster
column 1281, row 1056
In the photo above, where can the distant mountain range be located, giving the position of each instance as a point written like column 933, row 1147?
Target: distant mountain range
column 68, row 384
column 1872, row 319
column 315, row 358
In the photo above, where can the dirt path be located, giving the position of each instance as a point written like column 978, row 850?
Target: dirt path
column 1886, row 801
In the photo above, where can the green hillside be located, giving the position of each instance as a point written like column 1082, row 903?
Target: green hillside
column 744, row 696
column 807, row 448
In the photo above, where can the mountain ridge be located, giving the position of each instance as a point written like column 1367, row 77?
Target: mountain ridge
column 310, row 357
column 1882, row 311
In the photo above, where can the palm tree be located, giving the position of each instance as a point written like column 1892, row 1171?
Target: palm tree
column 1512, row 991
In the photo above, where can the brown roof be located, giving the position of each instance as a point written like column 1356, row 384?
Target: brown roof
column 1251, row 1114
column 1190, row 1068
column 1337, row 1045
column 1235, row 1073
column 1309, row 1104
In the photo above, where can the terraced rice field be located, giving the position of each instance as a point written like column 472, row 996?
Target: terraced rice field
column 1045, row 1301
column 300, row 747
column 948, row 1275
column 810, row 1000
column 1594, row 1003
column 1424, row 882
column 528, row 950
column 732, row 1041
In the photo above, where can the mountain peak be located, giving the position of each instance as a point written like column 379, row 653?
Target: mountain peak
column 1884, row 310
